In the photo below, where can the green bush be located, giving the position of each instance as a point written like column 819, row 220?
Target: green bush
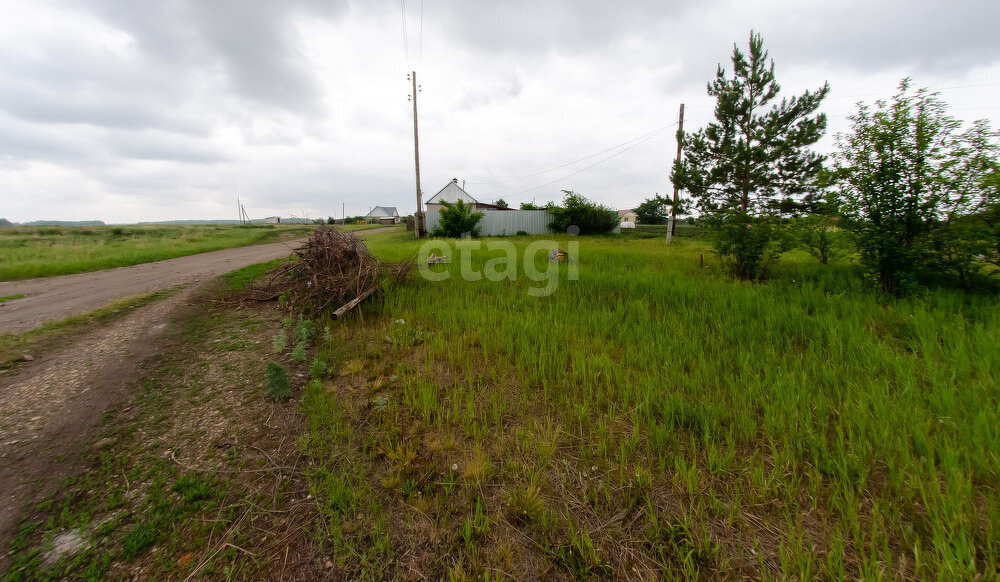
column 748, row 245
column 278, row 386
column 590, row 217
column 457, row 220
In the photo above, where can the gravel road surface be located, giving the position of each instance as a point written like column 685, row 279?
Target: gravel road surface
column 54, row 298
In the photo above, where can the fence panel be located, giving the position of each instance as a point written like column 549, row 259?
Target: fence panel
column 503, row 222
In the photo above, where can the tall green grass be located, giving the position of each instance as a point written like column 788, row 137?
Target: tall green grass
column 43, row 251
column 804, row 427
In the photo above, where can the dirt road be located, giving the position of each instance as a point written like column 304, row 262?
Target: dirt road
column 50, row 406
column 54, row 298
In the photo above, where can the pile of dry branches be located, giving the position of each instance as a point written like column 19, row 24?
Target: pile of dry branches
column 335, row 269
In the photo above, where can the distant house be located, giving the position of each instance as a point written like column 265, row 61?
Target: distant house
column 272, row 220
column 628, row 218
column 383, row 215
column 452, row 193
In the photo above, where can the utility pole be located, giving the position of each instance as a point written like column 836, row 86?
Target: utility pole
column 419, row 217
column 343, row 212
column 239, row 208
column 680, row 138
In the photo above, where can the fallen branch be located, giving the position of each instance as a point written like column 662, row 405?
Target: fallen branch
column 353, row 303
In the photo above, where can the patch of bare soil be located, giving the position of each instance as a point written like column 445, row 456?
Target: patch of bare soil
column 213, row 423
column 52, row 404
column 148, row 450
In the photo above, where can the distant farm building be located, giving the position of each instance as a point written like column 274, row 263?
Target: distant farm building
column 272, row 220
column 383, row 215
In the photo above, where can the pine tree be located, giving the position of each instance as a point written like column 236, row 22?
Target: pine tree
column 756, row 153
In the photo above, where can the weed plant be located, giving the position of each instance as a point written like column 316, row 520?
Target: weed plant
column 276, row 380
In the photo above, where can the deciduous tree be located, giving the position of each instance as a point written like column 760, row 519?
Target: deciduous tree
column 590, row 217
column 917, row 191
column 653, row 210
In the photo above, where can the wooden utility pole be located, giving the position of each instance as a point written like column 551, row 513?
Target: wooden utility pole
column 419, row 217
column 680, row 141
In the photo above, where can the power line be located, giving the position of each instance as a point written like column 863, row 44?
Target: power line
column 641, row 137
column 601, row 161
column 420, row 49
column 406, row 44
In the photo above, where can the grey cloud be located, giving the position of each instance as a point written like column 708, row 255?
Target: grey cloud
column 69, row 81
column 86, row 104
column 924, row 37
column 159, row 146
column 21, row 141
column 254, row 43
column 507, row 86
column 574, row 26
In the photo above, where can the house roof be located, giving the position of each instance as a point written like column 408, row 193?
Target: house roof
column 383, row 212
column 626, row 211
column 492, row 206
column 450, row 192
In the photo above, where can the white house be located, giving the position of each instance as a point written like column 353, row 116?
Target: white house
column 452, row 193
column 383, row 214
column 628, row 218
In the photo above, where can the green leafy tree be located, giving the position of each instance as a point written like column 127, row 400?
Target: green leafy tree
column 991, row 217
column 967, row 229
column 754, row 154
column 457, row 220
column 917, row 193
column 817, row 231
column 587, row 215
column 653, row 210
column 531, row 206
column 501, row 203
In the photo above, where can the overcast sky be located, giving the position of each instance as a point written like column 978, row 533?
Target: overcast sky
column 171, row 109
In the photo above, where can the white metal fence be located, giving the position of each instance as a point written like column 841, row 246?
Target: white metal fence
column 504, row 222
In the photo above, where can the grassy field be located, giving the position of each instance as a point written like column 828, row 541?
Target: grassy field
column 43, row 251
column 656, row 419
column 650, row 420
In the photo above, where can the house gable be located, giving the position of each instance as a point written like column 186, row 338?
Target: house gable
column 451, row 193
